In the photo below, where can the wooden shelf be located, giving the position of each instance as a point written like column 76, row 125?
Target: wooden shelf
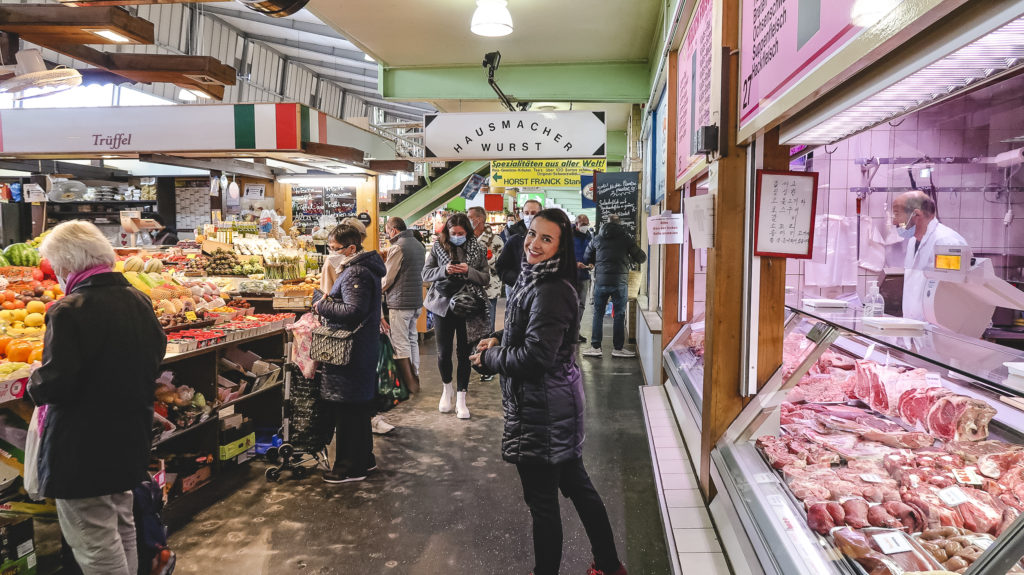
column 180, row 432
column 84, row 214
column 171, row 358
column 248, row 395
column 107, row 203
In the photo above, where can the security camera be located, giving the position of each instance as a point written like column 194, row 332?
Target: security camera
column 491, row 60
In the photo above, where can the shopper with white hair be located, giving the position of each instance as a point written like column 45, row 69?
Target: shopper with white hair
column 102, row 354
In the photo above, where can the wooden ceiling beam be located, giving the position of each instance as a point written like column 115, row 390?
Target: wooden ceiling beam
column 391, row 166
column 44, row 23
column 88, row 3
column 339, row 153
column 198, row 70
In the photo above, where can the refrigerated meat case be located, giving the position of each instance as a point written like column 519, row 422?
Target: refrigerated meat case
column 763, row 522
column 683, row 360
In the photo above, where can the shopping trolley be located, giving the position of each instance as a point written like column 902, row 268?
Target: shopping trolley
column 304, row 436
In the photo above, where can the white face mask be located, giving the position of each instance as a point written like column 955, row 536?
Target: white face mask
column 527, row 219
column 583, row 229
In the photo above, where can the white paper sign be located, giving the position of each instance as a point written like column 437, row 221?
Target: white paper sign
column 666, row 228
column 255, row 191
column 34, row 193
column 893, row 542
column 871, row 478
column 700, row 218
column 785, row 214
column 514, row 135
column 953, row 496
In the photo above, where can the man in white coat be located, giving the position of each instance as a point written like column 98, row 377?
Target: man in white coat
column 913, row 214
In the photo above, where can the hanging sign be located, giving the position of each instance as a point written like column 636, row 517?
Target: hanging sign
column 694, row 89
column 617, row 194
column 514, row 135
column 472, row 186
column 784, row 216
column 587, row 192
column 544, row 173
column 783, row 41
column 255, row 191
column 700, row 219
column 666, row 228
column 659, row 168
column 34, row 193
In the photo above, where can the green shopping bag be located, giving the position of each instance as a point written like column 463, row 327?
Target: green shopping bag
column 390, row 391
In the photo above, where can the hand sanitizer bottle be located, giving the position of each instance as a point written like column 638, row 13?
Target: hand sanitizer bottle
column 874, row 305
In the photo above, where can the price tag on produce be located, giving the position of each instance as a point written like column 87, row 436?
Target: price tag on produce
column 893, row 542
column 252, row 318
column 933, row 379
column 191, row 316
column 190, row 257
column 953, row 496
column 871, row 478
column 764, row 478
column 968, row 476
column 981, row 542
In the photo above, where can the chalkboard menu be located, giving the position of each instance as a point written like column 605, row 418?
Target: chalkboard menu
column 784, row 221
column 340, row 201
column 307, row 207
column 617, row 194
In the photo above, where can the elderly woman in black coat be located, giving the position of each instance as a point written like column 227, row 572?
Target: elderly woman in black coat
column 103, row 351
column 353, row 304
column 542, row 395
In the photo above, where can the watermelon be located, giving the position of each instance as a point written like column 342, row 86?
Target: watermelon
column 4, row 262
column 22, row 255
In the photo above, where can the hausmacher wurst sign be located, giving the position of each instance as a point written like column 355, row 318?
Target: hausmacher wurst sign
column 514, row 135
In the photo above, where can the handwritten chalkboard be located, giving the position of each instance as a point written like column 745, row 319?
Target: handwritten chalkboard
column 617, row 194
column 307, row 207
column 340, row 201
column 784, row 220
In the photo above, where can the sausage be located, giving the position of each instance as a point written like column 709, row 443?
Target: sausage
column 955, row 564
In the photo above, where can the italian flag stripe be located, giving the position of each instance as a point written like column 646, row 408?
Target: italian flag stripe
column 266, row 127
column 245, row 127
column 287, row 127
column 304, row 114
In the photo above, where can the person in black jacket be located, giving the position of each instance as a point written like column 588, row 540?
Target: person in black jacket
column 510, row 261
column 102, row 354
column 350, row 389
column 163, row 236
column 542, row 396
column 611, row 252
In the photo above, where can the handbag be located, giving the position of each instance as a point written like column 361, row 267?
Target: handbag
column 333, row 346
column 449, row 286
column 32, row 443
column 390, row 391
column 466, row 303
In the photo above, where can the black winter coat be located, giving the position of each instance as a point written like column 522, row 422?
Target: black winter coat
column 612, row 252
column 541, row 384
column 103, row 351
column 510, row 262
column 355, row 298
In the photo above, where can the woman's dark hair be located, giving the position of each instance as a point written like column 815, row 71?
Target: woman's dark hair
column 460, row 220
column 566, row 243
column 346, row 235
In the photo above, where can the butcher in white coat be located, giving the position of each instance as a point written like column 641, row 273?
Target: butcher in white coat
column 913, row 214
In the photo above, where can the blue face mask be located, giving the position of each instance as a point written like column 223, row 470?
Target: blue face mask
column 907, row 231
column 457, row 240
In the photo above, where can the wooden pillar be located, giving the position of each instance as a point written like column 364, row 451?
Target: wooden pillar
column 283, row 203
column 772, row 293
column 727, row 180
column 670, row 324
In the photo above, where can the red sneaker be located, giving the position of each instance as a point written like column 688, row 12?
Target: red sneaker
column 594, row 570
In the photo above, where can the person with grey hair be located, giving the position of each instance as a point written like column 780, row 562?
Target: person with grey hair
column 403, row 293
column 102, row 354
column 914, row 215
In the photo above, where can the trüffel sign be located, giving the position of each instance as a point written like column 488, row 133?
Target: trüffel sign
column 514, row 135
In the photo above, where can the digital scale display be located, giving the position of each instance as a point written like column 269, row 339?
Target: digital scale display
column 948, row 262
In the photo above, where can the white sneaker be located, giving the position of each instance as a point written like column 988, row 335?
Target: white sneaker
column 379, row 426
column 623, row 353
column 592, row 352
column 461, row 411
column 447, row 403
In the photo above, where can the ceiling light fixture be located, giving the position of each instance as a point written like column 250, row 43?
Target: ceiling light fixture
column 191, row 95
column 491, row 18
column 111, row 35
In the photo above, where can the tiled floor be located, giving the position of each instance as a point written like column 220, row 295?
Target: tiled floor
column 699, row 550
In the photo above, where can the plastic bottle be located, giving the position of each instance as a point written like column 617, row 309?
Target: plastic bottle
column 874, row 305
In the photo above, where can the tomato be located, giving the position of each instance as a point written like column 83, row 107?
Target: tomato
column 50, row 304
column 9, row 295
column 38, row 275
column 46, row 268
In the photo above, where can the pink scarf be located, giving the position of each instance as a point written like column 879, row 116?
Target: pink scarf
column 77, row 277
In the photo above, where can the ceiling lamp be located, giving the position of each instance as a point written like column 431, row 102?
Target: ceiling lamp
column 491, row 18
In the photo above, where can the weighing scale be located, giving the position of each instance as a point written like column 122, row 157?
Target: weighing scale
column 963, row 291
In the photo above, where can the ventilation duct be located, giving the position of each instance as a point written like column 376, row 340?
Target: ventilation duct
column 275, row 8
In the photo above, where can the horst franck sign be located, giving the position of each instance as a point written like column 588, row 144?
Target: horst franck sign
column 515, row 135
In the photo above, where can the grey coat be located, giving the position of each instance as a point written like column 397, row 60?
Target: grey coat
column 478, row 273
column 406, row 288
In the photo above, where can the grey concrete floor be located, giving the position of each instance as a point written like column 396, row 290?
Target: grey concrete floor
column 443, row 500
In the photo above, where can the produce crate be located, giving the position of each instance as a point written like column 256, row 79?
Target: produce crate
column 190, row 325
column 293, row 302
column 236, row 448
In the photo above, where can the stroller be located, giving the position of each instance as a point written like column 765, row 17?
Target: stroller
column 304, row 436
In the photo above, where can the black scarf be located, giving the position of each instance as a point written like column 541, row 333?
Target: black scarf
column 528, row 278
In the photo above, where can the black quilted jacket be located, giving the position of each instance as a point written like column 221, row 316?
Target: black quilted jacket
column 541, row 384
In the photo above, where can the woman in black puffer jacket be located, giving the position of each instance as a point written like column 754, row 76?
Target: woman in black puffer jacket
column 542, row 395
column 349, row 390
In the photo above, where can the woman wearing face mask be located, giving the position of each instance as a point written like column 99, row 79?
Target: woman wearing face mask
column 352, row 303
column 456, row 261
column 542, row 396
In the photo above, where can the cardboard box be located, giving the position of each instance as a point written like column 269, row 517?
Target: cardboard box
column 24, row 566
column 238, row 447
column 198, row 479
column 16, row 538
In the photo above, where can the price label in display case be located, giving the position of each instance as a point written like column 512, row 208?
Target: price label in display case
column 892, row 542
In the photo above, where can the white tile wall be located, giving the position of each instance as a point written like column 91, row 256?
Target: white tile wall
column 192, row 207
column 691, row 528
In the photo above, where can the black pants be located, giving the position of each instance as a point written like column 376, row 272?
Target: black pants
column 541, row 484
column 446, row 328
column 354, row 444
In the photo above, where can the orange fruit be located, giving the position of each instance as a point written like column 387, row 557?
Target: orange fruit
column 36, row 355
column 18, row 304
column 19, row 350
column 4, row 342
column 7, row 304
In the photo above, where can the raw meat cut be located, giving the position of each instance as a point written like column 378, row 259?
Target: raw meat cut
column 848, row 446
column 959, row 418
column 831, row 359
column 820, row 388
column 819, row 519
column 908, row 516
column 914, row 404
column 926, row 498
column 995, row 464
column 882, row 386
column 795, row 348
column 982, row 513
column 863, row 549
column 970, row 451
column 907, row 439
column 856, row 513
column 879, row 516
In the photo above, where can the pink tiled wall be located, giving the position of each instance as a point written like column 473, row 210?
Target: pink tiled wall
column 972, row 126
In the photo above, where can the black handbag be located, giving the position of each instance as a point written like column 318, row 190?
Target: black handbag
column 449, row 286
